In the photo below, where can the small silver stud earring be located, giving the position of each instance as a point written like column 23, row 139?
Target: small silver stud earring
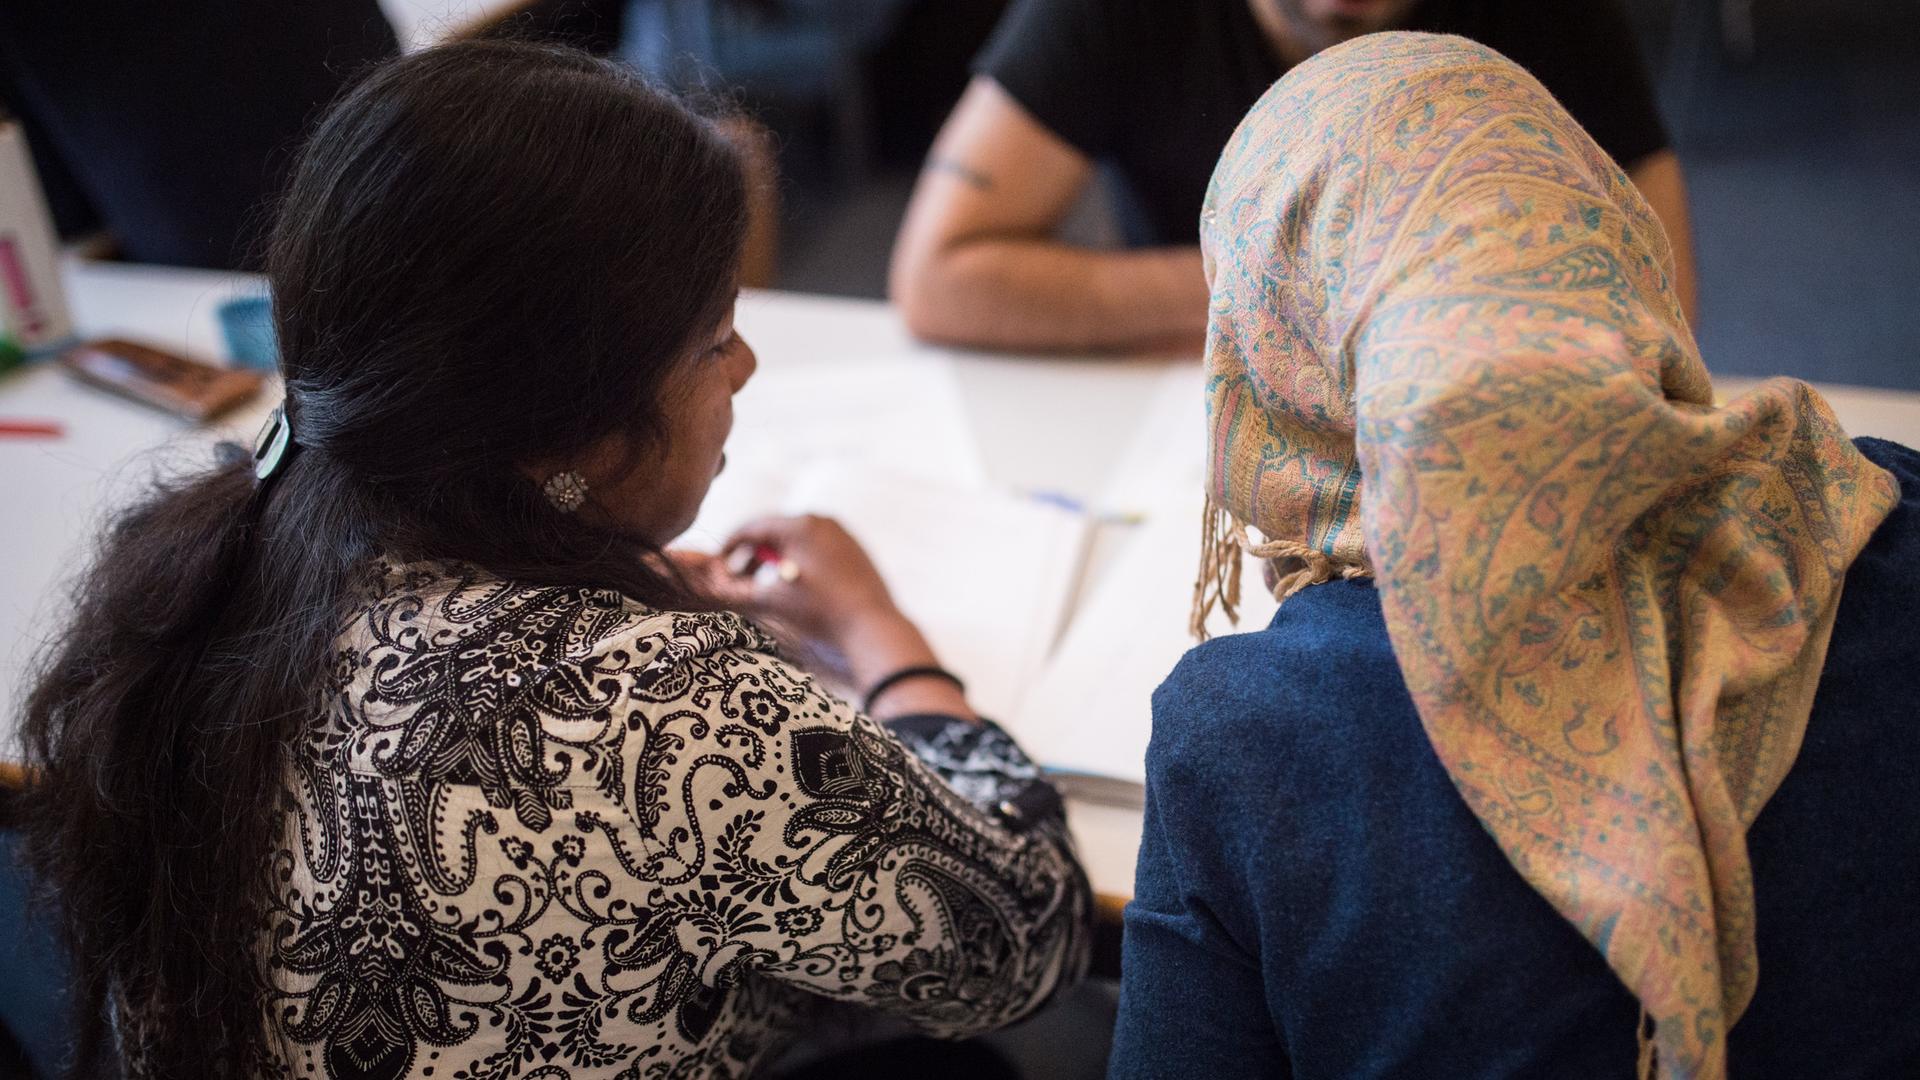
column 566, row 490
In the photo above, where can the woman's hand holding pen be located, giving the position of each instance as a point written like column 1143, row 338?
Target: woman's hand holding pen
column 806, row 573
column 810, row 576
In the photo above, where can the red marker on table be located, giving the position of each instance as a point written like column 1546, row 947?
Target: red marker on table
column 31, row 429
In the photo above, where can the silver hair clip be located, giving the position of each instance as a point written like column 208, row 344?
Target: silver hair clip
column 566, row 490
column 274, row 445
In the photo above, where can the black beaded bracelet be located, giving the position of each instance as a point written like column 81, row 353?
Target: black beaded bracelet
column 905, row 673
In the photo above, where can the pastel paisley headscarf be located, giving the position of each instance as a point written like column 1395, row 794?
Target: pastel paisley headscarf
column 1445, row 352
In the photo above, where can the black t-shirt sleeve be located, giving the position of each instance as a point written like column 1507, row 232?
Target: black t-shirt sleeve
column 1585, row 52
column 1063, row 61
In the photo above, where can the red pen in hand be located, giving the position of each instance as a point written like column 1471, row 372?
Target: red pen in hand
column 764, row 563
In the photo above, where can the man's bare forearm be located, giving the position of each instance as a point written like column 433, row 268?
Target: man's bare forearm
column 978, row 263
column 1001, row 293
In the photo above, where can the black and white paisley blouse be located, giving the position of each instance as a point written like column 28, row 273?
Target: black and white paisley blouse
column 550, row 833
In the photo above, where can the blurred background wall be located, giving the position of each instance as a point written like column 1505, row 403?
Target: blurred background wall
column 1797, row 122
column 1802, row 149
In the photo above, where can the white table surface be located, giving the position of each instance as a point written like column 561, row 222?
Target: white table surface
column 1047, row 424
column 1041, row 424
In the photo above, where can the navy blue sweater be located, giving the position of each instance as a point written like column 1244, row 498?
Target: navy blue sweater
column 1315, row 900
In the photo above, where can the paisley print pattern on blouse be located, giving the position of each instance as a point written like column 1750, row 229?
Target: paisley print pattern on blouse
column 547, row 832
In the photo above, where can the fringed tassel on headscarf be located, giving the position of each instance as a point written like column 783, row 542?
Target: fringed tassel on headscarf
column 1222, row 539
column 1306, row 566
column 1224, row 546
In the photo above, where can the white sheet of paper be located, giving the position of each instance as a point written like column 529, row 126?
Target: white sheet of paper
column 985, row 574
column 1166, row 456
column 903, row 416
column 904, row 413
column 1091, row 709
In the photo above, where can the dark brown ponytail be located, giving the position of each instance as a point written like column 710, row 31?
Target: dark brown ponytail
column 490, row 253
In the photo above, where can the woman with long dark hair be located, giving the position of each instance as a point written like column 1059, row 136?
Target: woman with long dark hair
column 403, row 749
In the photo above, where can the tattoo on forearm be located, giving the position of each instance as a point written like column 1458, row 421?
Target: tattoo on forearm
column 971, row 176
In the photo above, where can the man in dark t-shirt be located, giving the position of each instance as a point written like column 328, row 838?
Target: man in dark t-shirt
column 1151, row 90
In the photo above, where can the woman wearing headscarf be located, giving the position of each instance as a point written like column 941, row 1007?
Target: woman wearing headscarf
column 1580, row 744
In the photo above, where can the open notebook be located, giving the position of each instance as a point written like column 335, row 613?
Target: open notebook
column 1089, row 713
column 1063, row 650
column 883, row 446
column 987, row 575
